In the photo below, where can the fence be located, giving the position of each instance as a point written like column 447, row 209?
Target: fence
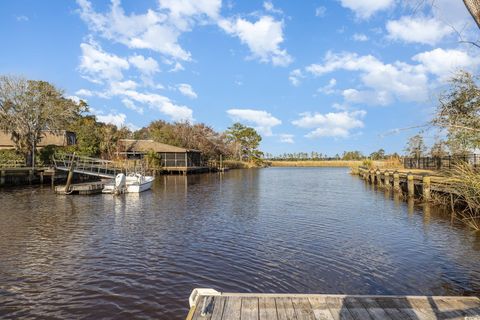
column 439, row 163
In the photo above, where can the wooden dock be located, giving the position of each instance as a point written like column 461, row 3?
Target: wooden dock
column 419, row 183
column 82, row 188
column 227, row 306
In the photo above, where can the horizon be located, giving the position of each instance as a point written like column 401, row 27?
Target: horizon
column 320, row 76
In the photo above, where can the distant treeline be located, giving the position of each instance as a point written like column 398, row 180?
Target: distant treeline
column 318, row 156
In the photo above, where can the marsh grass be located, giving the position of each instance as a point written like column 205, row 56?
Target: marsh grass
column 465, row 184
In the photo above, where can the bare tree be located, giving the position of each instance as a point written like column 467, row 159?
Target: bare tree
column 28, row 108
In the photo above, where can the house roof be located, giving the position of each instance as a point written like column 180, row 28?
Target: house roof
column 131, row 145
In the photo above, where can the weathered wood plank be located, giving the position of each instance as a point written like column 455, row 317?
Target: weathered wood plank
column 303, row 309
column 218, row 307
column 267, row 308
column 333, row 307
column 338, row 309
column 285, row 310
column 232, row 309
column 249, row 310
column 320, row 309
column 208, row 303
column 356, row 309
column 374, row 309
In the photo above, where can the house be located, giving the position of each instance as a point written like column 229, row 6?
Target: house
column 59, row 138
column 170, row 156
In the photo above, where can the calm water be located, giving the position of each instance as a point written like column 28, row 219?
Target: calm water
column 305, row 230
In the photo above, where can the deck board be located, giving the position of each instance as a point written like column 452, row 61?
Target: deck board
column 232, row 306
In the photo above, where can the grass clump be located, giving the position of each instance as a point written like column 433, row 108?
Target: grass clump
column 465, row 184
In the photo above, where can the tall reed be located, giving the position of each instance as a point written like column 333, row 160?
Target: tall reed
column 465, row 184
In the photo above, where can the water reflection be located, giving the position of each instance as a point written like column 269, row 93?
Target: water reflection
column 316, row 230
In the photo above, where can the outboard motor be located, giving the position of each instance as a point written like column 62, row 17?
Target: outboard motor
column 120, row 182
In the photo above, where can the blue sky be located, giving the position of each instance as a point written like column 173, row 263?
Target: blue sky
column 323, row 76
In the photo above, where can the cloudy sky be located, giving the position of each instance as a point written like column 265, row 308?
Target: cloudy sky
column 322, row 76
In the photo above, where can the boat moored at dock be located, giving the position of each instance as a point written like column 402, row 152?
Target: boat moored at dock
column 132, row 183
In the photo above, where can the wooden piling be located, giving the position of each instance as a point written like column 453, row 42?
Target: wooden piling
column 379, row 178
column 396, row 182
column 70, row 174
column 2, row 177
column 426, row 188
column 387, row 183
column 410, row 185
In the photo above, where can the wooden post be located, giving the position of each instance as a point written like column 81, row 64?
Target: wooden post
column 396, row 182
column 372, row 177
column 2, row 177
column 41, row 177
column 70, row 174
column 426, row 188
column 379, row 178
column 387, row 183
column 410, row 185
column 31, row 173
column 52, row 179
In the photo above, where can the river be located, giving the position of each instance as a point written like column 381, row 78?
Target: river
column 284, row 230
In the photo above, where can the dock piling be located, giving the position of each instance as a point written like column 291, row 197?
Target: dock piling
column 396, row 182
column 426, row 188
column 379, row 179
column 387, row 183
column 410, row 185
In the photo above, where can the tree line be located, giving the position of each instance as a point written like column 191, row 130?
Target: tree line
column 318, row 156
column 457, row 119
column 29, row 108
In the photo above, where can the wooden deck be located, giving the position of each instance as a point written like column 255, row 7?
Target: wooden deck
column 85, row 188
column 226, row 306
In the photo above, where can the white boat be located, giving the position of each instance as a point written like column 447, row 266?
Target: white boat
column 132, row 183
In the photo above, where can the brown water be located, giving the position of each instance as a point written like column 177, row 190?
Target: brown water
column 298, row 230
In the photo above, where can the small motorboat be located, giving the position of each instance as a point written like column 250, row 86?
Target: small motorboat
column 132, row 183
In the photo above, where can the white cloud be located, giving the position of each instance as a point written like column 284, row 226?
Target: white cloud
column 287, row 138
column 143, row 31
column 147, row 66
column 84, row 93
column 371, row 97
column 320, row 11
column 262, row 37
column 268, row 6
column 75, row 99
column 360, row 37
column 295, row 77
column 418, row 29
column 329, row 88
column 332, row 124
column 177, row 67
column 445, row 62
column 187, row 90
column 404, row 81
column 117, row 119
column 162, row 104
column 98, row 65
column 364, row 9
column 183, row 13
column 22, row 18
column 130, row 105
column 262, row 120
